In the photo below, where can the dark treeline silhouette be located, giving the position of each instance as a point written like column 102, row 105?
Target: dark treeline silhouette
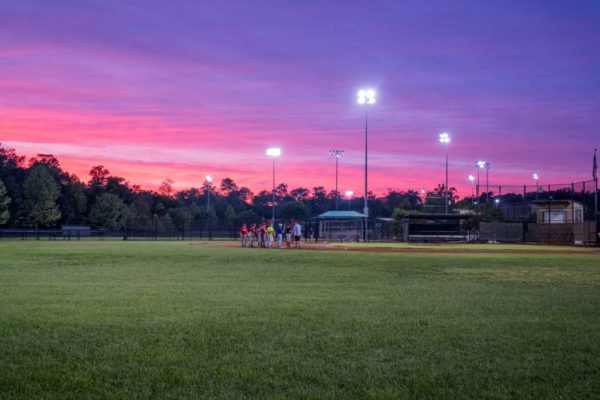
column 38, row 193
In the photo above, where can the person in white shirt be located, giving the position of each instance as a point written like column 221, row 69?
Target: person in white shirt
column 297, row 232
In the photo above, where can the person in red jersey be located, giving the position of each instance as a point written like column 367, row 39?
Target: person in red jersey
column 244, row 235
column 252, row 234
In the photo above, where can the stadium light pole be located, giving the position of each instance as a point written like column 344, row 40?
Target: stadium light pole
column 445, row 139
column 536, row 178
column 349, row 194
column 486, row 165
column 208, row 180
column 273, row 152
column 472, row 179
column 366, row 97
column 337, row 154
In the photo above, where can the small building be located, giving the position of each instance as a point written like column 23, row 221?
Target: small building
column 341, row 226
column 561, row 222
column 558, row 211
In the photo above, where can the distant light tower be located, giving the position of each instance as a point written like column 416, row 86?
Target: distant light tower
column 349, row 194
column 366, row 97
column 337, row 154
column 445, row 139
column 208, row 180
column 472, row 179
column 536, row 178
column 486, row 165
column 273, row 152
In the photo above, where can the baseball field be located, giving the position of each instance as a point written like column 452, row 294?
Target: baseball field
column 137, row 320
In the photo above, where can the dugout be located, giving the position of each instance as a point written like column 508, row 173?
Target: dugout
column 434, row 227
column 341, row 226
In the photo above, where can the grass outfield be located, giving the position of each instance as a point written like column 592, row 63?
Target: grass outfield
column 164, row 320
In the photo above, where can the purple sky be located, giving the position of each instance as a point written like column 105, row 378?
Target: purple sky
column 181, row 89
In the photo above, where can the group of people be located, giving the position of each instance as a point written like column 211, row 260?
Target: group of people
column 265, row 234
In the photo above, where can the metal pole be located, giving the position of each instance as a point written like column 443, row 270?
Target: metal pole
column 595, row 197
column 366, row 207
column 478, row 184
column 487, row 184
column 446, row 191
column 273, row 205
column 208, row 210
column 336, row 183
column 207, row 198
column 472, row 194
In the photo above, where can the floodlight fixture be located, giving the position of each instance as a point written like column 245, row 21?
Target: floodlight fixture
column 483, row 164
column 274, row 152
column 444, row 138
column 366, row 96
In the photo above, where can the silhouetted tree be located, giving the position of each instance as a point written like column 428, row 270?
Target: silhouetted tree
column 227, row 186
column 73, row 203
column 293, row 210
column 40, row 192
column 300, row 194
column 108, row 212
column 4, row 204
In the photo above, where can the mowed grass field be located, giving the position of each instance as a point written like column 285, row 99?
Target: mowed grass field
column 137, row 320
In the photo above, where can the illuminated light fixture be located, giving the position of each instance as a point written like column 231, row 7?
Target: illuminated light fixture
column 366, row 96
column 444, row 138
column 274, row 152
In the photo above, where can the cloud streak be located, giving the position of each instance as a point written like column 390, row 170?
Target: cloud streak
column 153, row 91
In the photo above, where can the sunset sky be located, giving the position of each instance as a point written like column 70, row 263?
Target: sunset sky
column 155, row 90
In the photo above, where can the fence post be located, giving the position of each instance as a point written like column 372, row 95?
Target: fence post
column 573, row 210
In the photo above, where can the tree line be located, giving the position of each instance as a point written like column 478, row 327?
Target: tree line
column 38, row 193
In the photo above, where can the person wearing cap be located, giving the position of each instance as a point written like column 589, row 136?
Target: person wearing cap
column 270, row 234
column 297, row 232
column 279, row 232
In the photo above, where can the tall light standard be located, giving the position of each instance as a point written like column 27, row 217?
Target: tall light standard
column 207, row 184
column 273, row 152
column 486, row 165
column 349, row 194
column 472, row 179
column 366, row 97
column 445, row 139
column 337, row 154
column 536, row 178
